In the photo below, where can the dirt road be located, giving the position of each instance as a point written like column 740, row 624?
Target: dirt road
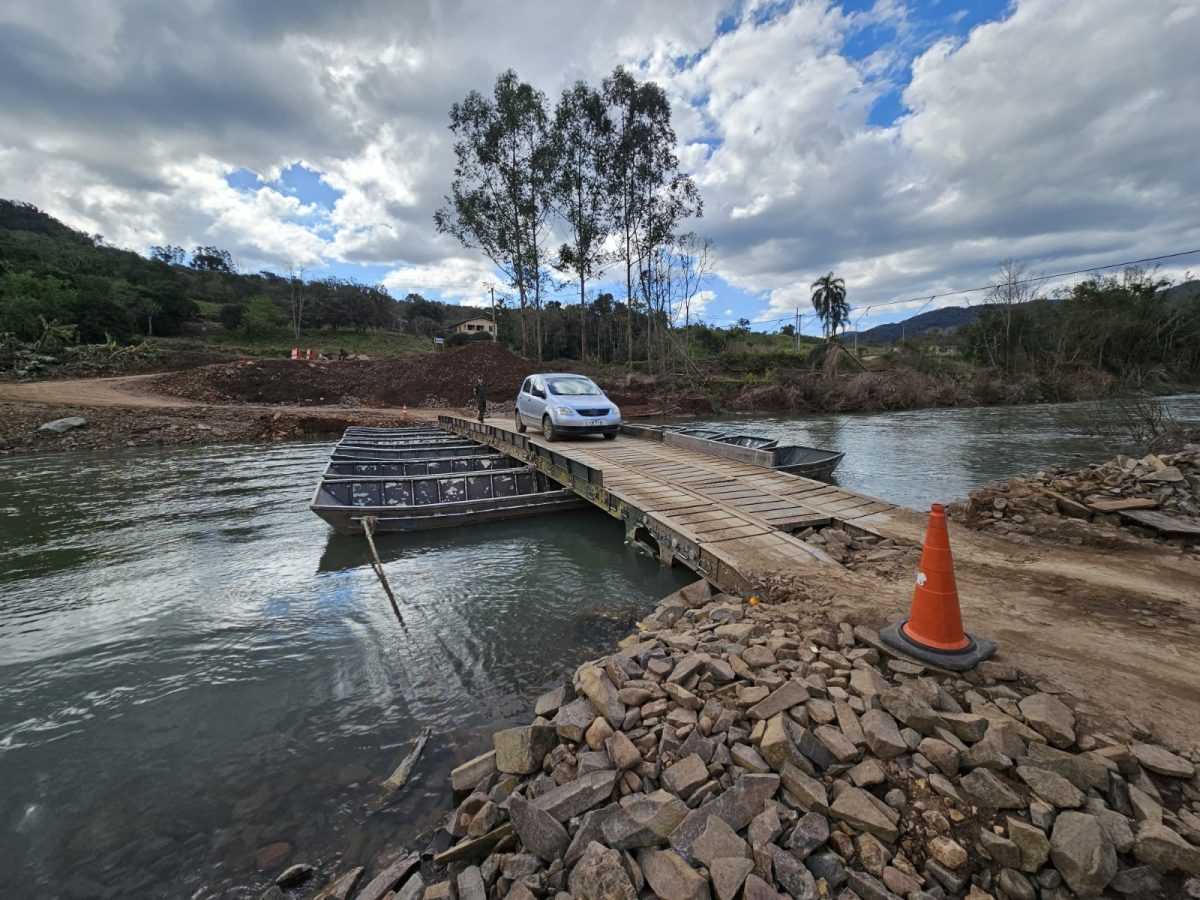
column 1116, row 628
column 125, row 412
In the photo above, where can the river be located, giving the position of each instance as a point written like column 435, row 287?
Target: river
column 192, row 667
column 922, row 456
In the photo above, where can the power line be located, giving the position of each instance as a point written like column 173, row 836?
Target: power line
column 957, row 293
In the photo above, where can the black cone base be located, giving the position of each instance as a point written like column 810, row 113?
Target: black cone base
column 970, row 656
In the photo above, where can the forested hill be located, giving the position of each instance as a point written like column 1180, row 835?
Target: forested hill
column 53, row 275
column 941, row 321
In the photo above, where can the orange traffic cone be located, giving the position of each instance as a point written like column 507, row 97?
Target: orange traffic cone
column 404, row 413
column 933, row 631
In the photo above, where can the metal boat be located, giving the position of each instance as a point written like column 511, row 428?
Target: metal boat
column 399, row 468
column 433, row 479
column 811, row 462
column 753, row 441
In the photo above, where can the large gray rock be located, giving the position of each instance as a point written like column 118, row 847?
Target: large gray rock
column 857, row 808
column 777, row 746
column 882, row 734
column 811, row 832
column 669, row 876
column 340, row 887
column 718, row 841
column 757, row 889
column 590, row 829
column 728, row 875
column 1163, row 761
column 470, row 773
column 539, row 831
column 645, row 822
column 1160, row 847
column 736, row 806
column 572, row 720
column 843, row 749
column 787, row 695
column 1049, row 717
column 791, row 874
column 907, row 707
column 868, row 887
column 1032, row 842
column 622, row 752
column 386, row 880
column 520, row 751
column 600, row 875
column 808, row 790
column 1084, row 770
column 685, row 776
column 1001, row 849
column 58, row 426
column 987, row 789
column 598, row 687
column 1051, row 787
column 470, row 884
column 578, row 796
column 1082, row 853
column 549, row 703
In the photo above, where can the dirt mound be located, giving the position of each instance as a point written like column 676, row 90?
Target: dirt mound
column 407, row 380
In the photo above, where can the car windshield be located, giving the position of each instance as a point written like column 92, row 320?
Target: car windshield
column 572, row 387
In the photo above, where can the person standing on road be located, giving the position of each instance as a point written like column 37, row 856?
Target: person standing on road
column 480, row 396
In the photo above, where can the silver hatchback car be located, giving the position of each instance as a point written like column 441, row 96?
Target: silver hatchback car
column 561, row 404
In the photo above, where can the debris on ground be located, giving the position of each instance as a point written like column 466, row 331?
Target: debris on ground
column 1156, row 496
column 23, row 428
column 732, row 750
column 430, row 380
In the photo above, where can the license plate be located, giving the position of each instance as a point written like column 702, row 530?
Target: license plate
column 595, row 421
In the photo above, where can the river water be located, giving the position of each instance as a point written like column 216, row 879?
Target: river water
column 922, row 456
column 192, row 667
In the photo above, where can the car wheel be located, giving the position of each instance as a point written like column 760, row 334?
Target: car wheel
column 520, row 423
column 610, row 435
column 549, row 432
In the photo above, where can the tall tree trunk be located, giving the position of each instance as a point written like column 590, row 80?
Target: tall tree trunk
column 583, row 353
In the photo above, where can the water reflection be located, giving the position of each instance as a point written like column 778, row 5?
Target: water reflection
column 192, row 666
column 921, row 456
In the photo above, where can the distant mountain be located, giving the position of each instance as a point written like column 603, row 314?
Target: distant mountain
column 1182, row 292
column 937, row 321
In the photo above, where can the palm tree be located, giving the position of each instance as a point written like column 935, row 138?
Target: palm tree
column 829, row 301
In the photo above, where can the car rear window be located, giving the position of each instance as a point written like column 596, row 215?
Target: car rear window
column 571, row 387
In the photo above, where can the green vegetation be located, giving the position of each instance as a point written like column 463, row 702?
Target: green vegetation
column 603, row 172
column 1124, row 325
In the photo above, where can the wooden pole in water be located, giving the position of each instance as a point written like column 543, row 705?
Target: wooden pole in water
column 368, row 527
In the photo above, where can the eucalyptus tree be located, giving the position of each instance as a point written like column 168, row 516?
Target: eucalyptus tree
column 829, row 303
column 650, row 196
column 583, row 151
column 499, row 199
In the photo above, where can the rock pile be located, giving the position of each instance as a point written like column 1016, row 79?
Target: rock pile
column 1112, row 493
column 731, row 750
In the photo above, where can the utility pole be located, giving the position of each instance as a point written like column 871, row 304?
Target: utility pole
column 796, row 333
column 495, row 331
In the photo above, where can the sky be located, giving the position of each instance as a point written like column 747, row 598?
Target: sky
column 909, row 147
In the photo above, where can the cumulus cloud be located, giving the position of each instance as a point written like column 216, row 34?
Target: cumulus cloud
column 1059, row 135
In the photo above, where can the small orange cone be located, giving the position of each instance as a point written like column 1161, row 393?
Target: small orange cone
column 933, row 631
column 404, row 413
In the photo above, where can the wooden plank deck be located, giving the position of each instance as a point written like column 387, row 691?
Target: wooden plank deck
column 729, row 520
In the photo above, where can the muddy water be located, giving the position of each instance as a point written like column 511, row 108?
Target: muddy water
column 192, row 667
column 922, row 456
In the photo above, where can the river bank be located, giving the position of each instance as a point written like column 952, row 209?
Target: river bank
column 771, row 750
column 233, row 398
